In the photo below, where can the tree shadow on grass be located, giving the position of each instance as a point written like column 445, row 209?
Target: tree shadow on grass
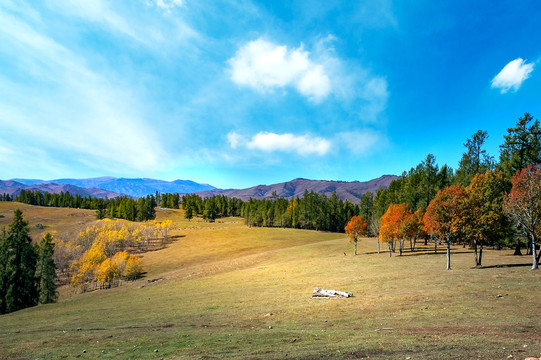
column 418, row 253
column 440, row 252
column 502, row 266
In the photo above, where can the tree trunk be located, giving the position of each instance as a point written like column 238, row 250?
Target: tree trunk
column 355, row 247
column 534, row 252
column 448, row 253
column 378, row 245
column 476, row 257
column 435, row 246
column 480, row 254
column 390, row 249
column 400, row 246
column 328, row 293
column 517, row 249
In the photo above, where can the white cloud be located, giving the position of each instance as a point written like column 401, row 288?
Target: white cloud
column 512, row 75
column 303, row 145
column 270, row 142
column 234, row 139
column 263, row 65
column 360, row 142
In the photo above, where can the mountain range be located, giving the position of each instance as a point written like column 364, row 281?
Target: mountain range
column 132, row 187
column 345, row 190
column 111, row 187
column 13, row 188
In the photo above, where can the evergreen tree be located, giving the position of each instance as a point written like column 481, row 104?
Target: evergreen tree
column 45, row 270
column 18, row 267
column 210, row 211
column 429, row 181
column 522, row 146
column 366, row 208
column 445, row 177
column 3, row 275
column 188, row 212
column 475, row 160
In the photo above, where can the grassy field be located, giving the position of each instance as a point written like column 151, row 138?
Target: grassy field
column 229, row 291
column 69, row 221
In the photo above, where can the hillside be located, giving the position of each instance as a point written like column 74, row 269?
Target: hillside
column 345, row 190
column 52, row 219
column 224, row 290
column 12, row 188
column 135, row 187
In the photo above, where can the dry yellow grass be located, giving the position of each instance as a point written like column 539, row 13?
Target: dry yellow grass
column 229, row 291
column 68, row 221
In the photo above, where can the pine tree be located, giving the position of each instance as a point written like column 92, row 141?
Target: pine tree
column 522, row 146
column 18, row 267
column 3, row 275
column 475, row 160
column 45, row 270
column 429, row 183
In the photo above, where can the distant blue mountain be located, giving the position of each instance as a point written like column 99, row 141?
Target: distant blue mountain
column 13, row 188
column 28, row 181
column 133, row 187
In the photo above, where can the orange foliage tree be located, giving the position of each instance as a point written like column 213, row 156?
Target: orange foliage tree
column 355, row 228
column 412, row 227
column 442, row 217
column 393, row 226
column 523, row 205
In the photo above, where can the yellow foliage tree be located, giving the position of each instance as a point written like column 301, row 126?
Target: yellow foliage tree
column 107, row 272
column 163, row 228
column 87, row 265
column 120, row 259
column 134, row 267
column 106, row 258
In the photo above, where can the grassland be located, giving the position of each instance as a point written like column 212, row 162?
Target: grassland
column 229, row 291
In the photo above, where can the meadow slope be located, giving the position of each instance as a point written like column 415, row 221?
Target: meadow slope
column 229, row 291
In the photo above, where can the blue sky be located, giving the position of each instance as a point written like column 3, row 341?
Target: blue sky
column 237, row 94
